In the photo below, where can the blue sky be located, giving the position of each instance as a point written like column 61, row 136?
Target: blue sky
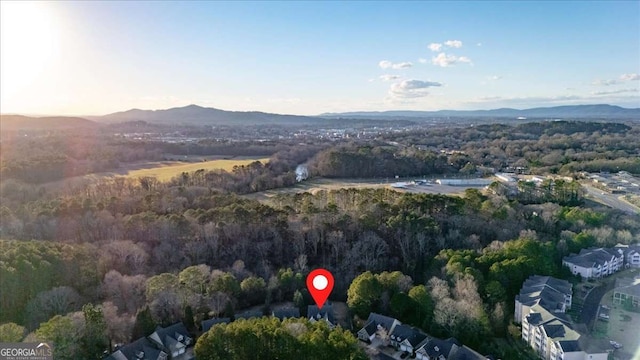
column 313, row 57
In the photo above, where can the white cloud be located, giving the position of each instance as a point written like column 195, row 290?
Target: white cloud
column 411, row 88
column 605, row 82
column 453, row 43
column 479, row 44
column 435, row 46
column 613, row 92
column 629, row 77
column 494, row 77
column 385, row 64
column 423, row 61
column 389, row 77
column 445, row 60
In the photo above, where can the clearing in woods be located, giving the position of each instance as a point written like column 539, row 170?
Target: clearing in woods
column 162, row 170
column 165, row 171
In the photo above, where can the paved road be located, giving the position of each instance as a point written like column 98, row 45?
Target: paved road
column 591, row 304
column 610, row 200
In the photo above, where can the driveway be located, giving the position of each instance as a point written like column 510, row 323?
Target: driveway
column 591, row 304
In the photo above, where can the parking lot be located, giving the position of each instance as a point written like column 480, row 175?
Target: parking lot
column 622, row 327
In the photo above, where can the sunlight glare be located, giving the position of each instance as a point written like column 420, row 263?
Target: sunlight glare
column 29, row 42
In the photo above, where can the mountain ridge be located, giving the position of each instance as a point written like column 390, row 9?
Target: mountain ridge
column 206, row 116
column 198, row 115
column 10, row 122
column 586, row 111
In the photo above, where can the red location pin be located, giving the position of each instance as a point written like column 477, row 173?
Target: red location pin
column 320, row 284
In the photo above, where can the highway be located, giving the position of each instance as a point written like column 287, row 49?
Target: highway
column 610, row 200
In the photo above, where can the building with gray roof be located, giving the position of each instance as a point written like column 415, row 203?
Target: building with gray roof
column 553, row 294
column 595, row 262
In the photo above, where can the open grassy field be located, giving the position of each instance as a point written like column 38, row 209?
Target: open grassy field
column 162, row 170
column 166, row 170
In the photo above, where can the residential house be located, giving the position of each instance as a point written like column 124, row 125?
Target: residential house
column 326, row 313
column 413, row 341
column 375, row 323
column 207, row 324
column 627, row 290
column 434, row 349
column 173, row 339
column 141, row 349
column 406, row 338
column 553, row 294
column 249, row 314
column 285, row 313
column 450, row 349
column 595, row 262
column 164, row 344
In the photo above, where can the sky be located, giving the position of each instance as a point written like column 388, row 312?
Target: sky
column 95, row 58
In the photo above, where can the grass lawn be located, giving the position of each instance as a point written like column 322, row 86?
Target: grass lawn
column 164, row 171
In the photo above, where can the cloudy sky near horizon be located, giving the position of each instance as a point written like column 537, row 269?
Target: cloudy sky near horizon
column 93, row 58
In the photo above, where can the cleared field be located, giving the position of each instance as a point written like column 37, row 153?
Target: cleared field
column 164, row 171
column 315, row 184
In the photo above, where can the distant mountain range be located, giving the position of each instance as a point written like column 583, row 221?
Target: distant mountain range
column 560, row 112
column 197, row 115
column 20, row 122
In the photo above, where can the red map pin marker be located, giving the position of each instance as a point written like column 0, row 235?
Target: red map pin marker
column 320, row 284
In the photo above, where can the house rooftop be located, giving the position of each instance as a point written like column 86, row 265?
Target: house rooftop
column 406, row 332
column 436, row 347
column 284, row 313
column 134, row 350
column 313, row 312
column 172, row 337
column 249, row 314
column 380, row 320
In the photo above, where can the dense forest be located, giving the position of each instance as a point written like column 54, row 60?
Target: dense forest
column 104, row 263
column 561, row 147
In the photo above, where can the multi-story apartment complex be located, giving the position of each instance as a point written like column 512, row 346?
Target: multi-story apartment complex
column 595, row 262
column 540, row 308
